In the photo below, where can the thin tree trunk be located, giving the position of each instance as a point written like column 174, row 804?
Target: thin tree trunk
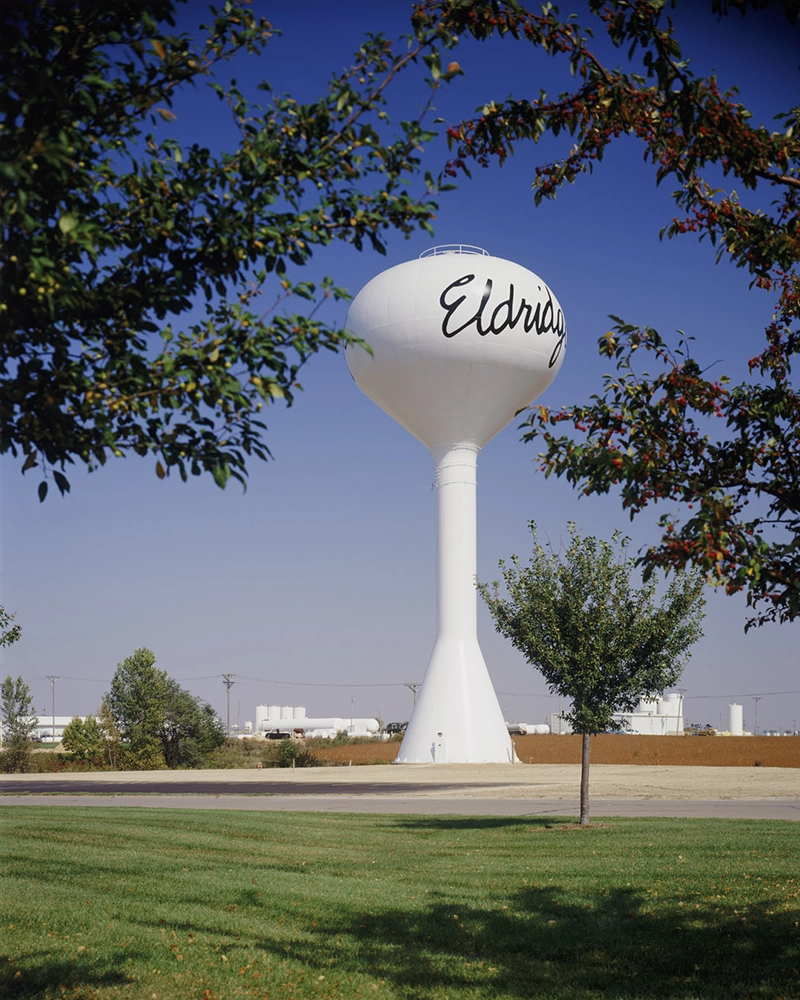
column 585, row 751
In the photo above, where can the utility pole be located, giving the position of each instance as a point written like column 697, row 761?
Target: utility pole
column 53, row 680
column 679, row 732
column 755, row 723
column 413, row 688
column 228, row 681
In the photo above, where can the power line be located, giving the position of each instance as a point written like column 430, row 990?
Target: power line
column 267, row 680
column 525, row 694
column 339, row 684
column 753, row 694
column 687, row 695
column 62, row 677
column 208, row 677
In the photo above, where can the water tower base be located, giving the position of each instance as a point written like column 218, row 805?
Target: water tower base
column 457, row 718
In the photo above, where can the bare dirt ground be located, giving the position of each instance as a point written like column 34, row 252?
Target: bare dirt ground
column 650, row 751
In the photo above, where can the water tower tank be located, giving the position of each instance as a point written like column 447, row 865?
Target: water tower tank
column 460, row 341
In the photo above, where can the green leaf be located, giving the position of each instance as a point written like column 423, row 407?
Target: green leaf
column 61, row 482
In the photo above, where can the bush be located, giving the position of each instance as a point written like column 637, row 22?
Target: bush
column 83, row 740
column 143, row 759
column 235, row 753
column 292, row 753
column 15, row 758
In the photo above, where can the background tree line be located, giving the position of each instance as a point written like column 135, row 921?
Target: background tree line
column 146, row 721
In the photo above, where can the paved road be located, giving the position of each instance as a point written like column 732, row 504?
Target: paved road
column 445, row 790
column 78, row 784
column 176, row 786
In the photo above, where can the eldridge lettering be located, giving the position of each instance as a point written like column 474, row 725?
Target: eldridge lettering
column 543, row 317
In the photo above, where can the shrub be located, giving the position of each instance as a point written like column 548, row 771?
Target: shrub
column 292, row 753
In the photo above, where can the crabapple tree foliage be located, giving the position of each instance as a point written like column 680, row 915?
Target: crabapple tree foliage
column 725, row 457
column 151, row 292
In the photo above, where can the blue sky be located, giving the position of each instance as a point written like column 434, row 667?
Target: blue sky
column 316, row 585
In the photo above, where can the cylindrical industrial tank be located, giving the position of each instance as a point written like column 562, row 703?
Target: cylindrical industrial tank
column 307, row 723
column 300, row 712
column 274, row 712
column 735, row 720
column 459, row 342
column 674, row 702
column 287, row 712
column 262, row 714
column 540, row 729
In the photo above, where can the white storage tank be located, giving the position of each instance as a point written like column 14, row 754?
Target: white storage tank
column 735, row 720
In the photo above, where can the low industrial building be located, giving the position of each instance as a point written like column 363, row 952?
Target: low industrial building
column 293, row 719
column 652, row 717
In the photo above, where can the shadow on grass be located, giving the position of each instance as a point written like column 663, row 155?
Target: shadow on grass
column 37, row 975
column 545, row 944
column 454, row 823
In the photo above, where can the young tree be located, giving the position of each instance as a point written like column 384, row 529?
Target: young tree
column 138, row 704
column 729, row 455
column 595, row 637
column 112, row 738
column 113, row 234
column 83, row 739
column 189, row 730
column 18, row 723
column 162, row 723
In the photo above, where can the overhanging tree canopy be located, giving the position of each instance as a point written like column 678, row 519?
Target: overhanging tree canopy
column 729, row 455
column 9, row 631
column 113, row 235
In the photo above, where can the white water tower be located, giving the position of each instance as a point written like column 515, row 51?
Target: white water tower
column 460, row 342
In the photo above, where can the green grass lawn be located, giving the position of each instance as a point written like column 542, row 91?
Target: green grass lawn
column 147, row 903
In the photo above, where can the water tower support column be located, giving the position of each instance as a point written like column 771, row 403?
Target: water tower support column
column 457, row 716
column 456, row 495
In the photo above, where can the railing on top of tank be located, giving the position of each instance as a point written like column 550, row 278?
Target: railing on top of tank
column 454, row 248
